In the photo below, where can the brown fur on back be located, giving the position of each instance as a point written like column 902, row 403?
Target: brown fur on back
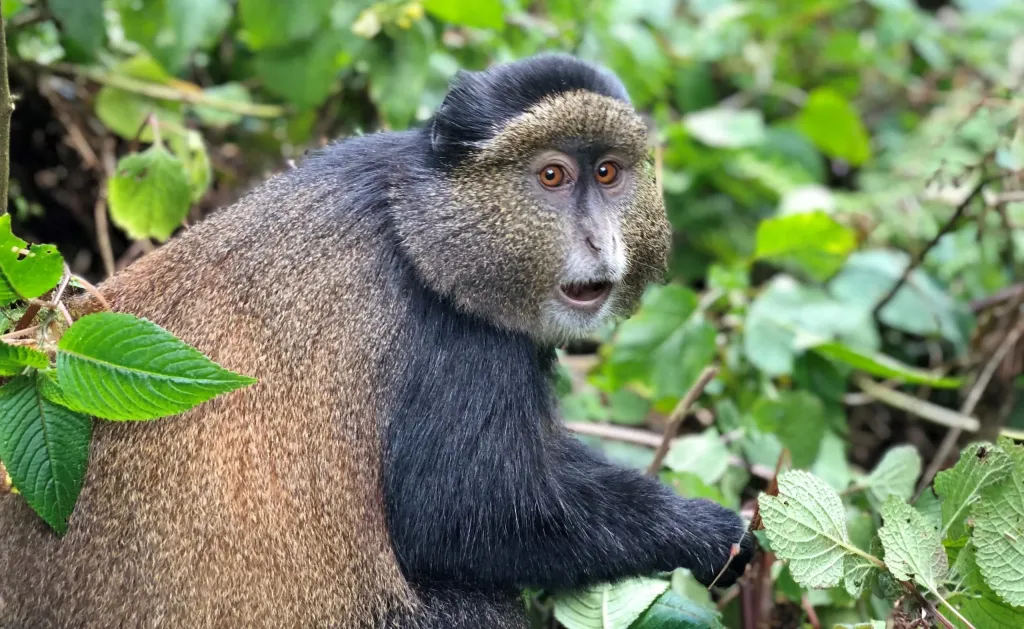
column 260, row 508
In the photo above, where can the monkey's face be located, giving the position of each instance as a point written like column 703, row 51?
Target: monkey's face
column 553, row 225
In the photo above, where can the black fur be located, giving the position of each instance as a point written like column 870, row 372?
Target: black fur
column 485, row 491
column 479, row 103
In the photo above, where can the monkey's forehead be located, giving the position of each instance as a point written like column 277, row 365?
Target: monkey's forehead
column 579, row 115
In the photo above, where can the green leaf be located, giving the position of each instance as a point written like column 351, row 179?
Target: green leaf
column 704, row 455
column 913, row 550
column 871, row 624
column 45, row 448
column 189, row 148
column 150, row 194
column 28, row 276
column 797, row 418
column 895, row 475
column 270, row 23
column 478, row 14
column 118, row 367
column 82, row 20
column 227, row 92
column 608, row 606
column 14, row 359
column 726, row 128
column 857, row 574
column 125, row 113
column 171, row 30
column 813, row 241
column 786, row 318
column 999, row 530
column 878, row 364
column 398, row 76
column 981, row 465
column 806, row 524
column 834, row 126
column 666, row 344
column 919, row 307
column 303, row 73
column 980, row 604
column 672, row 611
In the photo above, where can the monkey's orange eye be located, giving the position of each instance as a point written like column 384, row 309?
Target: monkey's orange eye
column 552, row 175
column 607, row 173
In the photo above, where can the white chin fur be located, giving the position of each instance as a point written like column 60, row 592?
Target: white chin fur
column 562, row 324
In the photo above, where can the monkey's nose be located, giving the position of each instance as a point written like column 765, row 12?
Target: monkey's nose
column 592, row 244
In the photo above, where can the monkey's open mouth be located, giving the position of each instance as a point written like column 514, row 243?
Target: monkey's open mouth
column 586, row 295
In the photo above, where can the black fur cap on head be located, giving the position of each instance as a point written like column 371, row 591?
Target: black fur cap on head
column 478, row 104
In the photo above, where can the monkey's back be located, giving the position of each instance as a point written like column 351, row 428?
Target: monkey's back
column 259, row 508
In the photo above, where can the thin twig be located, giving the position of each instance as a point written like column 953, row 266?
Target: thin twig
column 20, row 333
column 917, row 259
column 970, row 402
column 192, row 96
column 6, row 111
column 92, row 290
column 677, row 415
column 651, row 440
column 921, row 408
column 812, row 616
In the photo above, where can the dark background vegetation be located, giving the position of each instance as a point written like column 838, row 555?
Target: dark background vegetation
column 815, row 155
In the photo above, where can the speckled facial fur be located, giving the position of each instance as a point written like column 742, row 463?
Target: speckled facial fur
column 498, row 253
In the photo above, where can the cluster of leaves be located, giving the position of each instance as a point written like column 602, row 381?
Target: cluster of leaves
column 961, row 545
column 107, row 365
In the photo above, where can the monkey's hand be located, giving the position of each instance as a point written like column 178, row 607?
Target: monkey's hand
column 720, row 561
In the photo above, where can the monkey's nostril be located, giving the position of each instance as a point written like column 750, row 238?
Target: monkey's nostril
column 590, row 243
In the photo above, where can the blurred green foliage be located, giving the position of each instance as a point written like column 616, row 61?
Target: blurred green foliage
column 809, row 151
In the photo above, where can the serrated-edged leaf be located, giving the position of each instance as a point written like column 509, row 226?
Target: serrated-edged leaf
column 150, row 193
column 857, row 574
column 45, row 448
column 913, row 550
column 14, row 359
column 806, row 524
column 978, row 603
column 999, row 530
column 608, row 606
column 981, row 465
column 116, row 366
column 26, row 275
column 704, row 455
column 895, row 475
column 871, row 624
column 672, row 611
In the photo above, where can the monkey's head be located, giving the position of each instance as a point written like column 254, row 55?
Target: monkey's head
column 537, row 208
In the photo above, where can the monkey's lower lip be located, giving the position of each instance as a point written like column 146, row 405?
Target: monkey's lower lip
column 585, row 295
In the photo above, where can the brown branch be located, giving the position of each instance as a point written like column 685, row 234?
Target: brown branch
column 193, row 95
column 970, row 402
column 961, row 208
column 677, row 415
column 6, row 111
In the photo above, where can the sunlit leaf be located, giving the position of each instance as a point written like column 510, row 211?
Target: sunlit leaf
column 913, row 550
column 726, row 128
column 835, row 126
column 960, row 487
column 479, row 14
column 812, row 241
column 999, row 530
column 150, row 193
column 27, row 271
column 14, row 359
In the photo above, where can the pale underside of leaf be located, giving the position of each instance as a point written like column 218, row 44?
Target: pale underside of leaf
column 806, row 525
column 999, row 534
column 608, row 606
column 913, row 551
